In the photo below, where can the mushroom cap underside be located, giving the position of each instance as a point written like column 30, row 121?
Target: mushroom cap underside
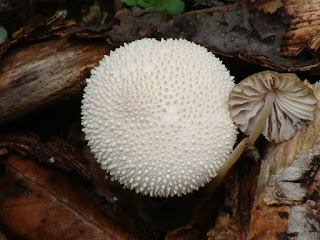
column 294, row 104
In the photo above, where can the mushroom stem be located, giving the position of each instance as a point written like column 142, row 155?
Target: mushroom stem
column 257, row 129
column 261, row 122
column 234, row 156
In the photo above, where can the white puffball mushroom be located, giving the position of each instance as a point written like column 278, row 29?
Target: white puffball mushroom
column 275, row 103
column 156, row 117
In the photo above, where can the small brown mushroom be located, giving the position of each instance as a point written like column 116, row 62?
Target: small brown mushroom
column 276, row 104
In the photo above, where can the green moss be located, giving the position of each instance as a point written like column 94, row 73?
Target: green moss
column 3, row 34
column 171, row 6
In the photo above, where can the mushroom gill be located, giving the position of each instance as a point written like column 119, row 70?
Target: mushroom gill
column 275, row 103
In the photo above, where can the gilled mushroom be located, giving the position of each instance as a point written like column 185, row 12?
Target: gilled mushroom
column 156, row 116
column 276, row 104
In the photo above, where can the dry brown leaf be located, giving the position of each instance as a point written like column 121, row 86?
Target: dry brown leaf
column 267, row 6
column 40, row 203
column 271, row 6
column 231, row 30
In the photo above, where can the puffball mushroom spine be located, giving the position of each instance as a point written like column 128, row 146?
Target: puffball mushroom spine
column 156, row 117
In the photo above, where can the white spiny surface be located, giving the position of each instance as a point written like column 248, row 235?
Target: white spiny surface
column 155, row 115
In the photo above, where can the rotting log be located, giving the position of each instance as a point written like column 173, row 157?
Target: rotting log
column 38, row 75
column 55, row 152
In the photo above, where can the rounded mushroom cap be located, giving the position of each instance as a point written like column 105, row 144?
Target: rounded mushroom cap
column 294, row 104
column 156, row 116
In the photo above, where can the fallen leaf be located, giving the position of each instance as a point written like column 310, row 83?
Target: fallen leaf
column 40, row 203
column 271, row 6
column 232, row 31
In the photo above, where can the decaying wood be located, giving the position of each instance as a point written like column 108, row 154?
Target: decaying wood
column 304, row 29
column 44, row 73
column 54, row 151
column 51, row 69
column 234, row 217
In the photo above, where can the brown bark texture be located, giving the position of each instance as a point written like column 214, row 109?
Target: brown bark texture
column 44, row 73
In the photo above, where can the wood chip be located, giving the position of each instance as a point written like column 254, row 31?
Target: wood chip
column 304, row 26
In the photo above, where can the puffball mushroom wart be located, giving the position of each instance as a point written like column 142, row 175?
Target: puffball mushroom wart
column 156, row 116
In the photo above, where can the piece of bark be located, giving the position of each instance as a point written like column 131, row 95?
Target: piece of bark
column 56, row 25
column 54, row 151
column 40, row 203
column 304, row 29
column 45, row 73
